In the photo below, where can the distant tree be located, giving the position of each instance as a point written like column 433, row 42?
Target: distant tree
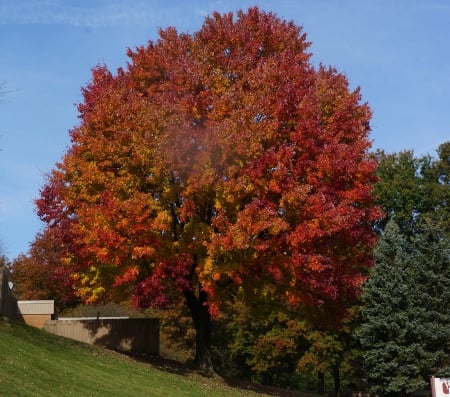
column 412, row 187
column 405, row 320
column 441, row 172
column 40, row 274
column 3, row 260
column 219, row 161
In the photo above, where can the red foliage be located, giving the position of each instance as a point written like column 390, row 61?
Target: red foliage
column 41, row 274
column 222, row 156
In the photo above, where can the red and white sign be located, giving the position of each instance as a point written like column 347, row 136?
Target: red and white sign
column 440, row 387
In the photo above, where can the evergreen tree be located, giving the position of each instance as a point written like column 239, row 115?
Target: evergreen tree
column 405, row 332
column 430, row 297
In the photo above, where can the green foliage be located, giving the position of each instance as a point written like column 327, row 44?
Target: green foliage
column 413, row 187
column 275, row 352
column 442, row 174
column 264, row 343
column 177, row 332
column 405, row 321
column 400, row 190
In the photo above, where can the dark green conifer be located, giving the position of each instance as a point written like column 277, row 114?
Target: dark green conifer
column 405, row 332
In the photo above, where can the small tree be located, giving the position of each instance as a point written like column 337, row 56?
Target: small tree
column 40, row 274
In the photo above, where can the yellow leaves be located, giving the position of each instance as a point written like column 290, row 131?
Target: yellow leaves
column 88, row 291
column 296, row 196
column 103, row 254
column 140, row 252
column 85, row 280
column 162, row 221
column 97, row 292
column 206, row 267
column 196, row 113
column 66, row 260
column 209, row 270
column 220, row 81
column 123, row 223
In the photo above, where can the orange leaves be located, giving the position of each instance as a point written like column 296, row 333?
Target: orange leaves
column 255, row 223
column 221, row 156
column 129, row 276
column 187, row 210
column 141, row 252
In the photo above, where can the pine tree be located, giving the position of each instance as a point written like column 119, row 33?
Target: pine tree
column 405, row 332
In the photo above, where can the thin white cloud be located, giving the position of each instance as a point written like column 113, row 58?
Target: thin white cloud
column 92, row 14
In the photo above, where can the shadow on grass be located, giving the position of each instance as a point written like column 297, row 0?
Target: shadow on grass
column 165, row 364
column 269, row 390
column 178, row 368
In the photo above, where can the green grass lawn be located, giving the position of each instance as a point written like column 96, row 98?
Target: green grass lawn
column 36, row 363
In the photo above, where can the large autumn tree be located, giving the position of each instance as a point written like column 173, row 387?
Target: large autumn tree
column 218, row 161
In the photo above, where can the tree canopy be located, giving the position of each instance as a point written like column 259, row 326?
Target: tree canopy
column 411, row 188
column 216, row 162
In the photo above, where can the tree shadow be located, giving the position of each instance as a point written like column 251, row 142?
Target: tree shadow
column 264, row 389
column 164, row 364
column 186, row 369
column 134, row 335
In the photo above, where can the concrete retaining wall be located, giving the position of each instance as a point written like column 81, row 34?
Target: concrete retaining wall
column 137, row 335
column 36, row 312
column 36, row 320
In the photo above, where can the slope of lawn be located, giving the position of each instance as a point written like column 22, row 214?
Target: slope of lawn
column 36, row 363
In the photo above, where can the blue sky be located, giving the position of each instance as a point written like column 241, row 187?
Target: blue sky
column 397, row 51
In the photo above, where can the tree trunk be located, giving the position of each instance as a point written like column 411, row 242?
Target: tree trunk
column 337, row 380
column 321, row 383
column 202, row 323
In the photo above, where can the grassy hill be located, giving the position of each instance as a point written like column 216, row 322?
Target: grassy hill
column 36, row 363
